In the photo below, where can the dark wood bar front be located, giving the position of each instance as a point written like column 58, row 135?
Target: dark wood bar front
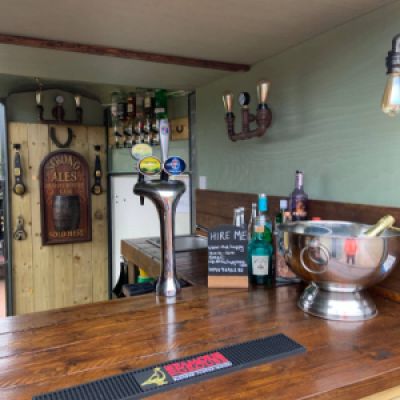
column 50, row 350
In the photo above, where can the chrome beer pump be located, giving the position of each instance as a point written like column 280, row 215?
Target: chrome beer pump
column 262, row 118
column 164, row 193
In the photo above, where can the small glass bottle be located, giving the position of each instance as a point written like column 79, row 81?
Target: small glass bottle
column 260, row 256
column 236, row 217
column 298, row 200
column 252, row 221
column 242, row 223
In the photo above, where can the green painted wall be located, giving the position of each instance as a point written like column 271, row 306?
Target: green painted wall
column 325, row 97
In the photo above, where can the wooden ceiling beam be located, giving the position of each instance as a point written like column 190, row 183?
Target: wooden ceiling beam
column 99, row 50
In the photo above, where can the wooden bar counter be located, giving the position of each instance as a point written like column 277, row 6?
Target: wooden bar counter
column 46, row 351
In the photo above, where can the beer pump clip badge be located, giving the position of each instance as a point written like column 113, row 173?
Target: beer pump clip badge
column 149, row 166
column 174, row 165
column 141, row 150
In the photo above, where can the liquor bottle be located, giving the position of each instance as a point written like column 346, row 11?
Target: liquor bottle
column 298, row 200
column 161, row 104
column 280, row 217
column 263, row 212
column 236, row 217
column 131, row 106
column 260, row 256
column 139, row 122
column 252, row 221
column 242, row 224
column 148, row 116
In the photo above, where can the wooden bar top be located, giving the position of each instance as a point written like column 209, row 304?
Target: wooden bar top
column 50, row 350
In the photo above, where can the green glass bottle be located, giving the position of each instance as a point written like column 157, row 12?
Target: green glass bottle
column 260, row 256
column 161, row 104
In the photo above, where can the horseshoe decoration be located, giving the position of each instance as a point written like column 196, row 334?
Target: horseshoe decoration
column 61, row 145
column 19, row 188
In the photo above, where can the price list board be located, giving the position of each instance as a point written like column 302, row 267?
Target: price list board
column 227, row 257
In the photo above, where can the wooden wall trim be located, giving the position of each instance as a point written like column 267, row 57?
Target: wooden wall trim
column 214, row 207
column 99, row 50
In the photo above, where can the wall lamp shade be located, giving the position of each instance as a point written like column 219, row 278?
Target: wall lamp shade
column 391, row 95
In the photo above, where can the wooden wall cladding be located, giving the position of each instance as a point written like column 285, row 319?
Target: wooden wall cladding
column 47, row 277
column 215, row 207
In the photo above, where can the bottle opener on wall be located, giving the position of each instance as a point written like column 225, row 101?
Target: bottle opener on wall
column 19, row 187
column 20, row 233
column 96, row 188
column 54, row 139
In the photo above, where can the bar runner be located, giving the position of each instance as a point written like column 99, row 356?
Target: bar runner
column 173, row 374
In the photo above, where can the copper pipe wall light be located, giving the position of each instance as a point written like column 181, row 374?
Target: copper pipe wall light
column 58, row 111
column 391, row 95
column 262, row 118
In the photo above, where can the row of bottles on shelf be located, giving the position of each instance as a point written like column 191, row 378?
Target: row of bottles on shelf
column 135, row 117
column 264, row 266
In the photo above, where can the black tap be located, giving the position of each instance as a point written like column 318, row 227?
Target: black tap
column 141, row 179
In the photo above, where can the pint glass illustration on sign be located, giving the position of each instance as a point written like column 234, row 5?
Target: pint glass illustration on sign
column 65, row 198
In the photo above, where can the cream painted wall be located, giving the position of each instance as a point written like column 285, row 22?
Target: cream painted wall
column 325, row 98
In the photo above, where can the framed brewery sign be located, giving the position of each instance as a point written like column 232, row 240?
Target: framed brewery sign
column 65, row 198
column 227, row 257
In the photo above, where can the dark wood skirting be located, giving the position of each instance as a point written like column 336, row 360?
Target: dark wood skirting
column 215, row 207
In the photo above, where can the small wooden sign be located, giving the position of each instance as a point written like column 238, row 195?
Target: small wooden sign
column 65, row 198
column 227, row 257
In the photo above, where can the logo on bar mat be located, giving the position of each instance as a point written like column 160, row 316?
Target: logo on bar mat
column 181, row 370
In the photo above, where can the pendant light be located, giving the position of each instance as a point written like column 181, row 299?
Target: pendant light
column 391, row 95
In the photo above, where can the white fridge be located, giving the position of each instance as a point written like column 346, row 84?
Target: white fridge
column 130, row 220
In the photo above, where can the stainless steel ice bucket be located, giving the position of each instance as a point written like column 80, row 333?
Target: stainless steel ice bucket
column 339, row 264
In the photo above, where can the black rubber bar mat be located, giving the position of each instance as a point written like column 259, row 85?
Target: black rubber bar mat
column 172, row 374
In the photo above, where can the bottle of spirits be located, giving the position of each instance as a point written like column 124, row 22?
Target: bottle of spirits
column 161, row 104
column 242, row 223
column 263, row 212
column 252, row 221
column 260, row 256
column 298, row 200
column 280, row 217
column 236, row 217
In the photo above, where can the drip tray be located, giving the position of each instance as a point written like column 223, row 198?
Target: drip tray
column 174, row 374
column 137, row 289
column 184, row 243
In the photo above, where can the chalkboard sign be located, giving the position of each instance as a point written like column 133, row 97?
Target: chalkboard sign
column 227, row 257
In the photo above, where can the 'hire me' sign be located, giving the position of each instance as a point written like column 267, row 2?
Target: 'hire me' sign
column 227, row 257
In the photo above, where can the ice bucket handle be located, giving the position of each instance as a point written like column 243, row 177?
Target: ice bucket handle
column 315, row 245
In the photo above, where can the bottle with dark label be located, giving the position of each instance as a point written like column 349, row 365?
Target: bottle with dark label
column 260, row 256
column 298, row 199
column 252, row 221
column 131, row 106
column 161, row 104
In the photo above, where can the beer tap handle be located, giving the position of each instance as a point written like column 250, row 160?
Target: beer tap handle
column 141, row 179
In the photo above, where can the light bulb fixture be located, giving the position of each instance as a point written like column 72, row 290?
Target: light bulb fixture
column 391, row 95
